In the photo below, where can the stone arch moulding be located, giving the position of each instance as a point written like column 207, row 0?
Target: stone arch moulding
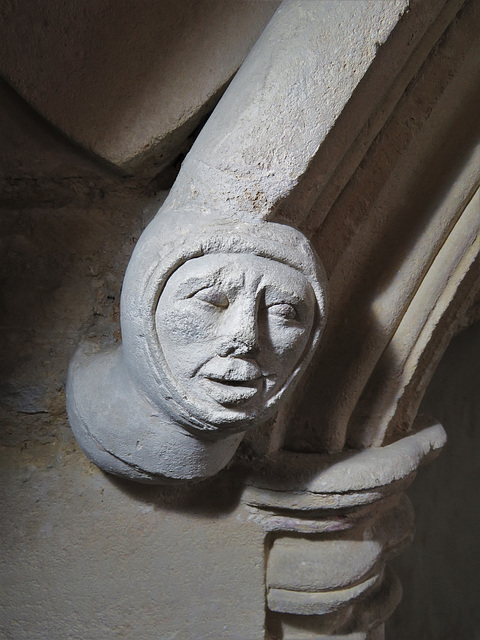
column 366, row 140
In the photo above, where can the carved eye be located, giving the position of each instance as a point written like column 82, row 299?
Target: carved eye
column 213, row 297
column 283, row 310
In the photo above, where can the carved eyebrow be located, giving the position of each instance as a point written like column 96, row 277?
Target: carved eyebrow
column 278, row 294
column 194, row 283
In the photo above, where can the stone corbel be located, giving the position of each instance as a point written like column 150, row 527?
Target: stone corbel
column 143, row 411
column 306, row 154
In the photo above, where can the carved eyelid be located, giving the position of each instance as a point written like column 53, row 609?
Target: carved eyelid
column 285, row 305
column 275, row 296
column 217, row 298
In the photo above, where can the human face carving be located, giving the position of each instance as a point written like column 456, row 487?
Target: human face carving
column 232, row 328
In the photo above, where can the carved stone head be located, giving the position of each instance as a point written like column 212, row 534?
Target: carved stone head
column 232, row 315
column 219, row 320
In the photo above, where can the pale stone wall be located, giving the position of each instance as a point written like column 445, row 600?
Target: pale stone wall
column 127, row 79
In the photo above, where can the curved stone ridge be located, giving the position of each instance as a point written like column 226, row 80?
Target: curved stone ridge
column 332, row 523
column 297, row 481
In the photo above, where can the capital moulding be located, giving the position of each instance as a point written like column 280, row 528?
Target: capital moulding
column 331, row 523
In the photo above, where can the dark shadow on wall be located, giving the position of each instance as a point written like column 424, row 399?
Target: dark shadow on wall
column 440, row 572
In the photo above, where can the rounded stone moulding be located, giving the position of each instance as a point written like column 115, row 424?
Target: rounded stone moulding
column 332, row 523
column 219, row 320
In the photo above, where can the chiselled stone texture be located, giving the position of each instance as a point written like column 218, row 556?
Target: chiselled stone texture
column 400, row 247
column 365, row 139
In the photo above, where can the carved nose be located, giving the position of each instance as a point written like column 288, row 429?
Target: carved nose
column 242, row 337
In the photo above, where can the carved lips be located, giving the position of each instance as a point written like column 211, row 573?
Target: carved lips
column 231, row 380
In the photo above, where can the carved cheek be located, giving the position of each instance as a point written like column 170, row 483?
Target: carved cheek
column 286, row 338
column 186, row 322
column 282, row 350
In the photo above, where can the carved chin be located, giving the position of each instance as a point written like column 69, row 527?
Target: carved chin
column 229, row 409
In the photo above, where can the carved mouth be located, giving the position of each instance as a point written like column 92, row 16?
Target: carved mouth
column 231, row 392
column 231, row 381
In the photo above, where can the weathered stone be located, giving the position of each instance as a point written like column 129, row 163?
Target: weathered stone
column 388, row 201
